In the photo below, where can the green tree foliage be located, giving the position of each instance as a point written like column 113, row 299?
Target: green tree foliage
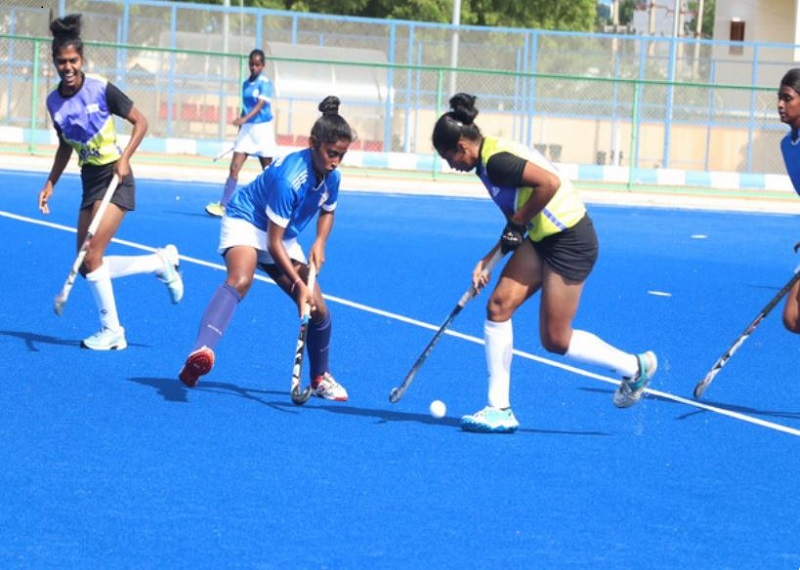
column 571, row 15
column 568, row 15
column 708, row 17
column 626, row 9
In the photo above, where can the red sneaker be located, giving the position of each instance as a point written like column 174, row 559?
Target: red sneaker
column 199, row 363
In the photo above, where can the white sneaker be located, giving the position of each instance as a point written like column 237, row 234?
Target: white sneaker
column 490, row 420
column 327, row 387
column 630, row 390
column 170, row 276
column 106, row 339
column 215, row 209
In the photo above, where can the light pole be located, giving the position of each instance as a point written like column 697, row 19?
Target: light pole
column 223, row 107
column 454, row 45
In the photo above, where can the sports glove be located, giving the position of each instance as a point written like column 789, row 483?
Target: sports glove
column 512, row 237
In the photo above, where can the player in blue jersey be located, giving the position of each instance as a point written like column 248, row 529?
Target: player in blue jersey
column 256, row 128
column 82, row 109
column 789, row 112
column 260, row 229
column 553, row 248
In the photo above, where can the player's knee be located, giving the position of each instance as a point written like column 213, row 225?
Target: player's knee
column 91, row 262
column 792, row 323
column 555, row 342
column 320, row 314
column 240, row 282
column 498, row 309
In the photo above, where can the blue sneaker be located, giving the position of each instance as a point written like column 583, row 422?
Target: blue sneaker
column 490, row 420
column 630, row 390
column 170, row 276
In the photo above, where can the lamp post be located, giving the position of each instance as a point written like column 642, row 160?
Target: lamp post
column 223, row 107
column 454, row 45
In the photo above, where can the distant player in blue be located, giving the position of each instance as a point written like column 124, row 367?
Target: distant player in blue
column 82, row 108
column 789, row 112
column 260, row 229
column 256, row 128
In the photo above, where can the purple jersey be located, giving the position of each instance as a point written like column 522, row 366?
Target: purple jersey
column 85, row 121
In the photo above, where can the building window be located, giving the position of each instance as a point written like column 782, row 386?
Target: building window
column 737, row 35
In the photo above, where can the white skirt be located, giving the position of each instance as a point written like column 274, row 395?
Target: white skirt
column 257, row 139
column 239, row 232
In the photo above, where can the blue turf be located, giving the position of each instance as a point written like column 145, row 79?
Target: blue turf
column 110, row 462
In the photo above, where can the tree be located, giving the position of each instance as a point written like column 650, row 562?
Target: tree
column 626, row 9
column 709, row 6
column 569, row 15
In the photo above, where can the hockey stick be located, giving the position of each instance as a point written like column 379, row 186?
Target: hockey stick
column 398, row 392
column 300, row 397
column 223, row 153
column 705, row 382
column 61, row 298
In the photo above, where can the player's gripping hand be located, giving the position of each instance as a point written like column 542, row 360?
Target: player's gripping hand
column 512, row 237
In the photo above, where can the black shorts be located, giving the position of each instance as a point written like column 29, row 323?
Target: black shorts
column 571, row 253
column 95, row 181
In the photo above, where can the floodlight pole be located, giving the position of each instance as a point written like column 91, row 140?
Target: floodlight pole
column 454, row 45
column 673, row 65
column 223, row 114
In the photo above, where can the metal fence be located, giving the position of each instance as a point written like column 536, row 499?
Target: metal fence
column 582, row 98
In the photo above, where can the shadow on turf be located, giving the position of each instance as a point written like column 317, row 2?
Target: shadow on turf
column 390, row 416
column 192, row 214
column 728, row 407
column 741, row 410
column 32, row 339
column 721, row 405
column 173, row 391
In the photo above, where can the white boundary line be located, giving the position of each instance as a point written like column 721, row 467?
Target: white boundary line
column 470, row 338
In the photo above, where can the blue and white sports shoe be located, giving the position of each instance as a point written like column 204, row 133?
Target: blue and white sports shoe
column 630, row 390
column 490, row 420
column 169, row 276
column 106, row 339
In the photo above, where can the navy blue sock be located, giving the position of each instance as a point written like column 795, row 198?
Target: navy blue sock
column 318, row 344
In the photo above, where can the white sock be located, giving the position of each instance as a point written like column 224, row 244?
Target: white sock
column 99, row 282
column 499, row 338
column 124, row 265
column 588, row 348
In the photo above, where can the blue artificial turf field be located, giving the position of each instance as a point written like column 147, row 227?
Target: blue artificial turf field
column 109, row 462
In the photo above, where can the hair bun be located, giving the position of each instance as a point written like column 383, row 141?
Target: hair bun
column 330, row 105
column 67, row 27
column 462, row 107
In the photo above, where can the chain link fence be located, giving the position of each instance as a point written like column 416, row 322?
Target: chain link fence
column 583, row 99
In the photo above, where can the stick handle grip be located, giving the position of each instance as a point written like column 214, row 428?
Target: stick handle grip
column 310, row 282
column 492, row 263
